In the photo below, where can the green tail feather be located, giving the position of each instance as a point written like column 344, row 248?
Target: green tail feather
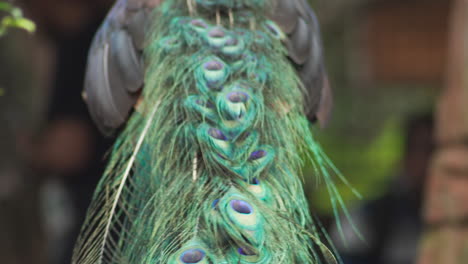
column 208, row 170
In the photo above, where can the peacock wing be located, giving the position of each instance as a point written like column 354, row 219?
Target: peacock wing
column 115, row 69
column 297, row 19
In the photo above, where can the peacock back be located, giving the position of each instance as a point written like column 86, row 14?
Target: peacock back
column 208, row 166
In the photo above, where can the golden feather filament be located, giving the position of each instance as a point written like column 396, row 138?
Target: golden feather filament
column 119, row 191
column 252, row 24
column 190, row 6
column 231, row 18
column 195, row 169
column 218, row 17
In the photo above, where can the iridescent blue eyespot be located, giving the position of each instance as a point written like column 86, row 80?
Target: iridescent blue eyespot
column 215, row 73
column 233, row 47
column 216, row 33
column 198, row 23
column 213, row 65
column 216, row 133
column 245, row 252
column 237, row 97
column 258, row 154
column 254, row 181
column 232, row 42
column 242, row 207
column 192, row 256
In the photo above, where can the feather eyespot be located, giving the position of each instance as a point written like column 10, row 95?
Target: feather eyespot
column 192, row 256
column 198, row 23
column 233, row 47
column 204, row 103
column 215, row 73
column 245, row 252
column 232, row 42
column 216, row 33
column 216, row 37
column 258, row 154
column 255, row 181
column 217, row 134
column 213, row 65
column 238, row 97
column 242, row 207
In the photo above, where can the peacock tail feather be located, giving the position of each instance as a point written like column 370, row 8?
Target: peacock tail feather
column 208, row 169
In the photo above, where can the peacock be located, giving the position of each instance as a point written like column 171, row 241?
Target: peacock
column 212, row 102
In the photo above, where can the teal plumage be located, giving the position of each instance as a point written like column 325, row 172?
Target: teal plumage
column 207, row 170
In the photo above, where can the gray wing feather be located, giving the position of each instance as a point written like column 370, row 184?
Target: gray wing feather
column 304, row 44
column 284, row 14
column 299, row 42
column 115, row 70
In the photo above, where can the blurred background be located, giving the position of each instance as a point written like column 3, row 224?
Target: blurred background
column 399, row 130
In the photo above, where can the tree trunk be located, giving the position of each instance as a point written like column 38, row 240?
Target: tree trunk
column 446, row 207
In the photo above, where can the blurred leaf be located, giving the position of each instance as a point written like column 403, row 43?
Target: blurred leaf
column 368, row 165
column 23, row 23
column 7, row 7
column 15, row 19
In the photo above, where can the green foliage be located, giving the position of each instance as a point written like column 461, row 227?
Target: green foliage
column 14, row 19
column 367, row 166
column 365, row 135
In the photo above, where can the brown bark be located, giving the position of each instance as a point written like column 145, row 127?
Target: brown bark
column 446, row 208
